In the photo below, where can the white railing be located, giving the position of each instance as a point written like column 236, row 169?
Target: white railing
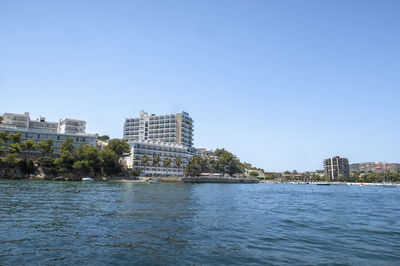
column 32, row 130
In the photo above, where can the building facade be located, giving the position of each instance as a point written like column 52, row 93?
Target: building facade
column 377, row 167
column 41, row 129
column 73, row 126
column 336, row 166
column 172, row 128
column 204, row 153
column 162, row 150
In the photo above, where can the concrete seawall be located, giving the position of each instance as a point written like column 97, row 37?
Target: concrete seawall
column 169, row 179
column 225, row 180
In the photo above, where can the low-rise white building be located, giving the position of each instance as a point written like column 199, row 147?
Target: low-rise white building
column 41, row 129
column 149, row 148
column 204, row 153
column 68, row 125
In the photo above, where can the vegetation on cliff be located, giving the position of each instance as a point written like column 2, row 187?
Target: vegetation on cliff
column 28, row 157
column 222, row 162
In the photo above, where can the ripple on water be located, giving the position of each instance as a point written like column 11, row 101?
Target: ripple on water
column 114, row 223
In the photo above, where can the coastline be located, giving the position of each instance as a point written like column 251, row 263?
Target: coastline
column 71, row 176
column 331, row 183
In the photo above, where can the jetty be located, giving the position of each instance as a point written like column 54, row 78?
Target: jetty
column 222, row 180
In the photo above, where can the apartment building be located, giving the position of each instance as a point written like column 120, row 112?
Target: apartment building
column 41, row 129
column 170, row 128
column 151, row 148
column 204, row 153
column 74, row 126
column 378, row 167
column 336, row 166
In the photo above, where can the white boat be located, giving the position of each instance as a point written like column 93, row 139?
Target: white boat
column 87, row 179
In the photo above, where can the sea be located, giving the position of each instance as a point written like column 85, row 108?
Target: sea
column 110, row 223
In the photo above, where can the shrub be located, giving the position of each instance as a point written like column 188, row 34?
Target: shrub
column 46, row 161
column 11, row 159
column 82, row 165
column 253, row 173
column 27, row 167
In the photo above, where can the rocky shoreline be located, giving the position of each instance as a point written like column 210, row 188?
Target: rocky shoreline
column 17, row 174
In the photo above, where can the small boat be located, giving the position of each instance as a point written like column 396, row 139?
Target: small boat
column 323, row 184
column 87, row 179
column 154, row 181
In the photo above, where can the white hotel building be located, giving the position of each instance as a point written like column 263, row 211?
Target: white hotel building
column 166, row 136
column 41, row 129
column 172, row 128
column 149, row 148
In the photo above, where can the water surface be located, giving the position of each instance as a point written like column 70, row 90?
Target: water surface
column 121, row 223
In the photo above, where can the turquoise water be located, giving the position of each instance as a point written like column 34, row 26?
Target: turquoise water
column 119, row 223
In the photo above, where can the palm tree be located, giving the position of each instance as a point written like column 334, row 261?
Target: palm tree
column 166, row 163
column 178, row 162
column 145, row 160
column 155, row 160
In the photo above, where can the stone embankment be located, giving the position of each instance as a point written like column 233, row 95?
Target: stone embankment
column 224, row 180
column 169, row 179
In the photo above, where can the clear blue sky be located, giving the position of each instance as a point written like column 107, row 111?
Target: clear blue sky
column 281, row 84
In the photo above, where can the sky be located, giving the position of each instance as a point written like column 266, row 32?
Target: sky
column 281, row 84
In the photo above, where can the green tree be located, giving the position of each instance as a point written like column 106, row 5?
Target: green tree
column 82, row 165
column 27, row 167
column 2, row 146
column 46, row 162
column 166, row 163
column 211, row 165
column 67, row 155
column 341, row 178
column 272, row 176
column 155, row 160
column 3, row 136
column 14, row 148
column 145, row 161
column 65, row 161
column 103, row 138
column 227, row 163
column 80, row 152
column 109, row 161
column 91, row 155
column 11, row 159
column 253, row 174
column 194, row 167
column 14, row 138
column 45, row 147
column 120, row 147
column 178, row 162
column 28, row 146
column 67, row 146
